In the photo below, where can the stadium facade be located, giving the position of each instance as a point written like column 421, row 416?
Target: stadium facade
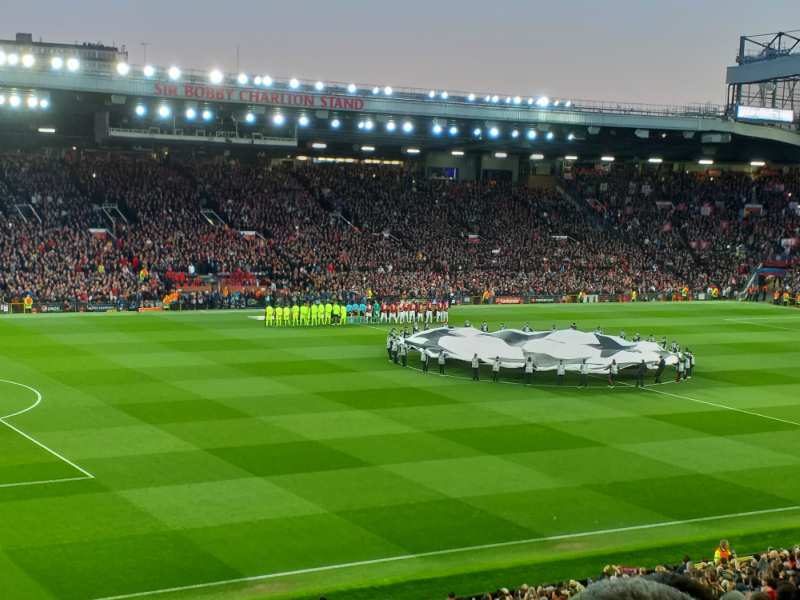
column 90, row 94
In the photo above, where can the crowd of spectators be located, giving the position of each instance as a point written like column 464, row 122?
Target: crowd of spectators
column 771, row 575
column 338, row 230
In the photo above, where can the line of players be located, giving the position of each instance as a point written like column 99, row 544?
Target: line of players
column 414, row 312
column 319, row 312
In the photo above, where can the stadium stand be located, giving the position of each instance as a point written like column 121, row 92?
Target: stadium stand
column 353, row 230
column 770, row 575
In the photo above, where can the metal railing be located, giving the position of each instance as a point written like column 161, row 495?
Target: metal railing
column 367, row 90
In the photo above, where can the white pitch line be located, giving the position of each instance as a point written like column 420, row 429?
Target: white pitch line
column 403, row 557
column 767, row 325
column 44, row 481
column 717, row 405
column 27, row 387
column 50, row 450
column 3, row 420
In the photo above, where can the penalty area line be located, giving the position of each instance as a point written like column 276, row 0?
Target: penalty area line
column 449, row 551
column 86, row 474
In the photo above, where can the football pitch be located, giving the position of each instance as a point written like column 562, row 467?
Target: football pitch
column 200, row 455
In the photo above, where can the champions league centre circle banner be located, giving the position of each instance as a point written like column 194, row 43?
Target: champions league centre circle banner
column 547, row 348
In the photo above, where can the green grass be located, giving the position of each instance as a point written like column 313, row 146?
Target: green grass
column 220, row 450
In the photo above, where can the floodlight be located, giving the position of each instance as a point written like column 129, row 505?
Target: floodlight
column 388, row 90
column 437, row 129
column 73, row 64
column 191, row 114
column 531, row 134
column 242, row 79
column 140, row 110
column 476, row 132
column 515, row 134
column 294, row 83
column 123, row 68
column 12, row 59
column 303, row 121
column 14, row 101
column 494, row 132
column 266, row 80
column 28, row 60
column 408, row 126
column 336, row 123
column 174, row 73
column 207, row 114
column 453, row 130
column 550, row 135
column 148, row 71
column 471, row 97
column 319, row 86
column 432, row 94
column 56, row 63
column 164, row 111
column 251, row 118
column 32, row 102
column 391, row 126
column 444, row 95
column 278, row 119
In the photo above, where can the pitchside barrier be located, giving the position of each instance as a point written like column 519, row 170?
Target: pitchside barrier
column 20, row 307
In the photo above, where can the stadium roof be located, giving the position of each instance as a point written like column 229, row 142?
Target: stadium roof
column 104, row 100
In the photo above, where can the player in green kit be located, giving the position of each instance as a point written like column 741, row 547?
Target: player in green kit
column 278, row 316
column 295, row 315
column 269, row 316
column 314, row 314
column 342, row 314
column 328, row 312
column 304, row 310
column 376, row 311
